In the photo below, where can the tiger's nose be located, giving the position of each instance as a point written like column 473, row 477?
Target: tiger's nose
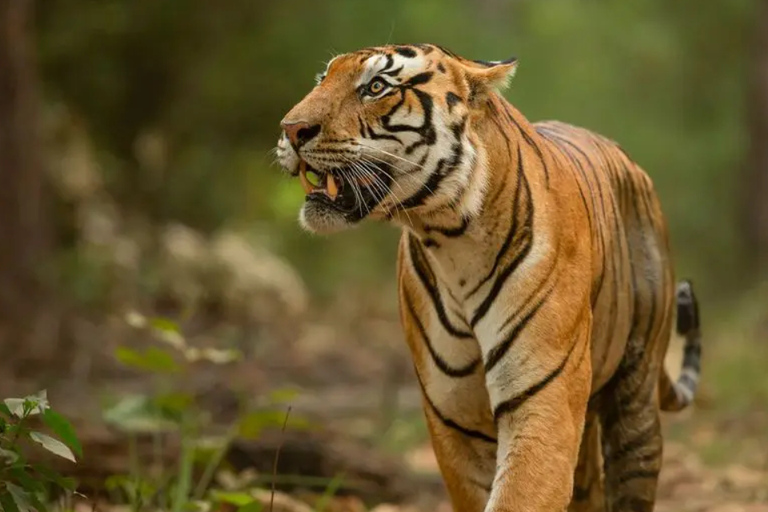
column 300, row 132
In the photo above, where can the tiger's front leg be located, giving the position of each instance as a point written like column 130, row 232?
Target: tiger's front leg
column 539, row 393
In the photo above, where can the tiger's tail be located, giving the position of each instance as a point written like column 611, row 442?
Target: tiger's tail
column 679, row 394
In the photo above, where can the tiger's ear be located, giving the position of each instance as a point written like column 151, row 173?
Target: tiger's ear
column 485, row 76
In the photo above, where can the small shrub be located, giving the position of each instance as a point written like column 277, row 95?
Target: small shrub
column 25, row 486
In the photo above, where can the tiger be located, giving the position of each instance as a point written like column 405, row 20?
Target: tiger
column 536, row 286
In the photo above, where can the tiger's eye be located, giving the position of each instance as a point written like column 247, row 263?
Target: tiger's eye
column 376, row 86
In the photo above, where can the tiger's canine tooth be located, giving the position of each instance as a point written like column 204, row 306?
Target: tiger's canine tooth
column 330, row 184
column 308, row 188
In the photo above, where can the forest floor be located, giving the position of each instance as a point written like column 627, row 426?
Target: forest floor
column 716, row 452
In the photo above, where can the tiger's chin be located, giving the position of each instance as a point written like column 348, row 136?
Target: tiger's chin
column 322, row 219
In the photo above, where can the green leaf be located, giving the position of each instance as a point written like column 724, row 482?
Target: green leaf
column 184, row 476
column 20, row 497
column 153, row 359
column 31, row 483
column 330, row 491
column 53, row 477
column 5, row 410
column 281, row 396
column 174, row 403
column 254, row 506
column 8, row 456
column 168, row 332
column 164, row 324
column 252, row 424
column 118, row 483
column 62, row 428
column 7, row 503
column 233, row 498
column 52, row 445
column 137, row 413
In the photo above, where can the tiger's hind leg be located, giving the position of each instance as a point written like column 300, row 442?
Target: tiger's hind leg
column 632, row 443
column 588, row 491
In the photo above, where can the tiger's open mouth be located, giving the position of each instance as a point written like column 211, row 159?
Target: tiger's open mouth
column 347, row 190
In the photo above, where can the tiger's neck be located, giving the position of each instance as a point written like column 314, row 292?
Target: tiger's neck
column 459, row 245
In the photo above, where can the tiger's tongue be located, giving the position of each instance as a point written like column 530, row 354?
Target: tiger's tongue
column 329, row 188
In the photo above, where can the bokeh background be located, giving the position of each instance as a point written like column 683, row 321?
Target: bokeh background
column 138, row 183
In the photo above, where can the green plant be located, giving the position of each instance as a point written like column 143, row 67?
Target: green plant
column 168, row 409
column 26, row 486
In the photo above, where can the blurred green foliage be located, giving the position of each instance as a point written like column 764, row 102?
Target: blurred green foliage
column 665, row 79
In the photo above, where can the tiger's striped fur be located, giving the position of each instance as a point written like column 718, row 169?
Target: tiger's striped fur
column 536, row 285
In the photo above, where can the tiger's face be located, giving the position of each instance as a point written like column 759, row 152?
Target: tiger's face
column 386, row 133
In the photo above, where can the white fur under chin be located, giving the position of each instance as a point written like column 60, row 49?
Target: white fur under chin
column 321, row 221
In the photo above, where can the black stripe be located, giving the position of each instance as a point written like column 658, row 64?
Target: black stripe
column 638, row 473
column 426, row 130
column 475, row 434
column 649, row 457
column 692, row 356
column 511, row 405
column 451, row 99
column 614, row 253
column 510, row 233
column 428, row 280
column 557, row 140
column 405, row 51
column 443, row 169
column 416, row 145
column 632, row 504
column 393, row 73
column 581, row 493
column 382, row 136
column 450, row 232
column 420, row 79
column 437, row 176
column 499, row 351
column 445, row 50
column 495, row 118
column 591, row 164
column 390, row 63
column 498, row 284
column 426, row 48
column 530, row 142
column 444, row 367
column 527, row 243
column 641, row 439
column 478, row 483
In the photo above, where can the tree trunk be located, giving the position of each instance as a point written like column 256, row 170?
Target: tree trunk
column 24, row 233
column 756, row 179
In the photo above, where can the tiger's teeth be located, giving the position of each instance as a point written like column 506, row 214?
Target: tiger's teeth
column 330, row 185
column 308, row 188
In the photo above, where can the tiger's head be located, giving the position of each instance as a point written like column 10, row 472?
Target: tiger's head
column 387, row 133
